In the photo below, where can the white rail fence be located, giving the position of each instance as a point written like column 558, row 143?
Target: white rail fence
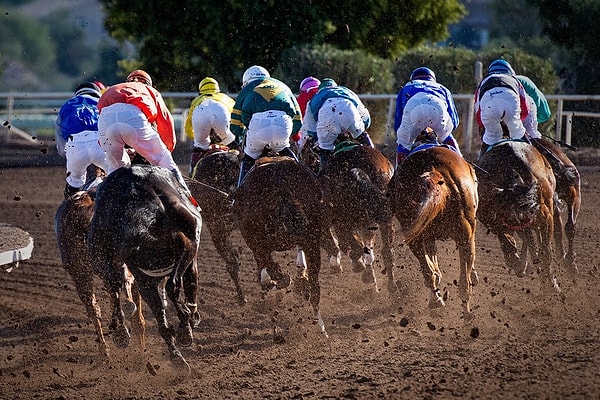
column 25, row 114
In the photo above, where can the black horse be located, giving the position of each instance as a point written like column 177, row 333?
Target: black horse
column 214, row 178
column 279, row 207
column 143, row 218
column 517, row 195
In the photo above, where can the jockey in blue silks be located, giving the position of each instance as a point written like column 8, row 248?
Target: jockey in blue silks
column 424, row 103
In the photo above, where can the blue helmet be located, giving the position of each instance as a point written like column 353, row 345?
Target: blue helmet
column 423, row 73
column 500, row 66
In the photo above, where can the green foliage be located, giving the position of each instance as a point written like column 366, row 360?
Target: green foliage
column 25, row 40
column 355, row 69
column 222, row 39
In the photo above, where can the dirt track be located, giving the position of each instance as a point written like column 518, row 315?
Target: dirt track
column 521, row 345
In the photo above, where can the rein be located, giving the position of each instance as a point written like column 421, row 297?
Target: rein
column 219, row 191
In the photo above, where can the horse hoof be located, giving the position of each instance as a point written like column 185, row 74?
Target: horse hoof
column 121, row 337
column 474, row 278
column 368, row 276
column 284, row 281
column 358, row 266
column 129, row 308
column 185, row 336
column 196, row 319
column 265, row 280
column 436, row 302
column 180, row 363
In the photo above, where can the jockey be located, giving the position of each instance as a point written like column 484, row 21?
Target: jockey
column 308, row 88
column 77, row 135
column 210, row 111
column 134, row 113
column 539, row 110
column 268, row 112
column 500, row 97
column 424, row 103
column 333, row 111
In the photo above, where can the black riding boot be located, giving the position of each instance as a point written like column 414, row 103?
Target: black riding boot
column 70, row 190
column 484, row 147
column 365, row 139
column 245, row 165
column 324, row 156
column 287, row 152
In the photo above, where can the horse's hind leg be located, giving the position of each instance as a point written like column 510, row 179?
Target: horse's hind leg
column 510, row 252
column 150, row 294
column 387, row 252
column 270, row 274
column 466, row 252
column 314, row 267
column 427, row 256
column 138, row 324
column 220, row 233
column 368, row 275
column 83, row 280
column 573, row 206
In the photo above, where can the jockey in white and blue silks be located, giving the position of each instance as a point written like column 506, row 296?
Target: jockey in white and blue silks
column 500, row 98
column 332, row 111
column 77, row 135
column 424, row 103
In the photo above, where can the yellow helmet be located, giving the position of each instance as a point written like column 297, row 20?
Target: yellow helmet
column 208, row 86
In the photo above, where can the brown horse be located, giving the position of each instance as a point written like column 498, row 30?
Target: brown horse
column 433, row 194
column 71, row 224
column 568, row 189
column 516, row 192
column 143, row 218
column 278, row 207
column 354, row 185
column 213, row 179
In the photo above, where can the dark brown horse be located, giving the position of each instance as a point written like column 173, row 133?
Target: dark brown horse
column 568, row 189
column 213, row 179
column 516, row 192
column 354, row 185
column 433, row 194
column 279, row 207
column 71, row 224
column 143, row 218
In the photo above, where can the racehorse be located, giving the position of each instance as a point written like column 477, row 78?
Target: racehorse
column 433, row 195
column 516, row 192
column 143, row 218
column 568, row 189
column 278, row 207
column 214, row 177
column 71, row 224
column 354, row 185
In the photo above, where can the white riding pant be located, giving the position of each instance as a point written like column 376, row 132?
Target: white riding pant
column 423, row 111
column 530, row 122
column 81, row 150
column 211, row 115
column 272, row 128
column 120, row 124
column 497, row 105
column 336, row 116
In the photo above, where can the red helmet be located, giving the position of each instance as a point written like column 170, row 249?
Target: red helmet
column 139, row 75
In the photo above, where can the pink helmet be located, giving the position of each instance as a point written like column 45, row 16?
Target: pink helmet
column 308, row 83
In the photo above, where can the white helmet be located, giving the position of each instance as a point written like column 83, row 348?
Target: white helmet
column 254, row 72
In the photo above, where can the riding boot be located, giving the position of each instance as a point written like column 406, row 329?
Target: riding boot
column 324, row 156
column 70, row 190
column 401, row 154
column 197, row 154
column 287, row 152
column 365, row 139
column 450, row 141
column 484, row 147
column 245, row 165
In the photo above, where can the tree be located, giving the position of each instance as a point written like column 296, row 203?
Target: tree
column 573, row 25
column 182, row 41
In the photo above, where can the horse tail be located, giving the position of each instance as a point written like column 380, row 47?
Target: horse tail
column 371, row 198
column 434, row 193
column 296, row 220
column 521, row 204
